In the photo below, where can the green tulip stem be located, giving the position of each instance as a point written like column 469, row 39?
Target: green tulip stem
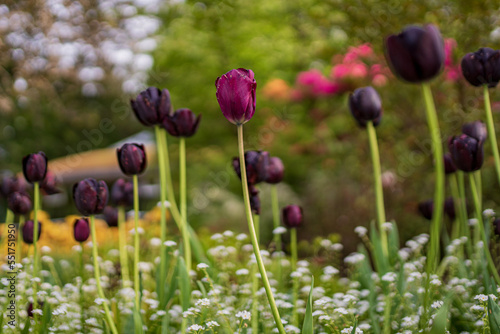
column 36, row 207
column 276, row 224
column 97, row 276
column 122, row 244
column 82, row 271
column 253, row 235
column 136, row 244
column 293, row 250
column 480, row 224
column 19, row 245
column 255, row 284
column 459, row 203
column 491, row 130
column 163, row 210
column 437, row 150
column 183, row 204
column 377, row 180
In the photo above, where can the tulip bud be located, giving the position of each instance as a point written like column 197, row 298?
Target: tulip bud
column 19, row 203
column 90, row 196
column 482, row 67
column 182, row 123
column 476, row 130
column 365, row 105
column 466, row 152
column 29, row 230
column 449, row 166
column 132, row 158
column 426, row 209
column 449, row 208
column 256, row 163
column 49, row 184
column 416, row 54
column 292, row 216
column 275, row 170
column 235, row 92
column 111, row 216
column 122, row 193
column 152, row 106
column 81, row 229
column 12, row 184
column 35, row 167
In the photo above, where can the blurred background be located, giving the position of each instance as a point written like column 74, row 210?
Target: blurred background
column 69, row 68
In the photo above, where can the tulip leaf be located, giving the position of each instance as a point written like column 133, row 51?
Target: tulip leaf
column 393, row 239
column 365, row 273
column 165, row 323
column 494, row 316
column 197, row 248
column 378, row 255
column 308, row 326
column 184, row 284
column 46, row 318
column 202, row 288
column 441, row 319
column 27, row 325
column 137, row 321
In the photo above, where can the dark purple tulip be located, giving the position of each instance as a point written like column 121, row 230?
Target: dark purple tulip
column 257, row 163
column 476, row 130
column 132, row 158
column 152, row 106
column 111, row 216
column 235, row 92
column 496, row 226
column 30, row 308
column 449, row 166
column 449, row 208
column 81, row 229
column 29, row 230
column 35, row 167
column 365, row 105
column 275, row 170
column 292, row 216
column 416, row 54
column 49, row 184
column 12, row 184
column 426, row 208
column 90, row 196
column 122, row 193
column 482, row 67
column 182, row 123
column 466, row 152
column 254, row 199
column 19, row 203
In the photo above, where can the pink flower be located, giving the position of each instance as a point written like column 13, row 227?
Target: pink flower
column 353, row 70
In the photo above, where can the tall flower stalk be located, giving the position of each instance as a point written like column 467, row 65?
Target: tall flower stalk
column 132, row 161
column 482, row 69
column 491, row 130
column 437, row 152
column 97, row 275
column 163, row 210
column 35, row 170
column 235, row 92
column 122, row 244
column 366, row 107
column 253, row 234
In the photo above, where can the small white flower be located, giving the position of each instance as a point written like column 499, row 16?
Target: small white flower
column 241, row 237
column 202, row 266
column 140, row 230
column 279, row 230
column 244, row 315
column 203, row 302
column 242, row 272
column 437, row 304
column 481, row 297
column 488, row 213
column 389, row 277
column 473, row 222
column 360, row 231
column 195, row 328
column 155, row 242
column 170, row 243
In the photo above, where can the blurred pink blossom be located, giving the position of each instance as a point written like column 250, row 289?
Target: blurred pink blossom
column 452, row 71
column 314, row 83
